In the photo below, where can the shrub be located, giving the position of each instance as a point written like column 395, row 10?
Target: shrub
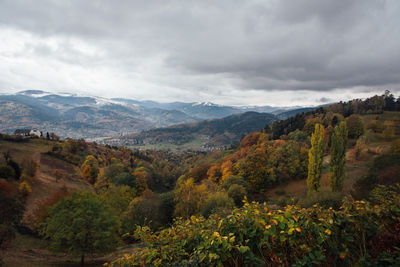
column 143, row 211
column 237, row 193
column 124, row 178
column 325, row 199
column 231, row 180
column 6, row 172
column 257, row 236
column 218, row 202
column 355, row 126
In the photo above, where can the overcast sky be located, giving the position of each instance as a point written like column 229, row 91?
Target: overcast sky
column 266, row 52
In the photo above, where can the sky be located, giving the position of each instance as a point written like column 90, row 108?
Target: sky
column 236, row 52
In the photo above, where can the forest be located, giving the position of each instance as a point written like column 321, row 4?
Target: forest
column 318, row 188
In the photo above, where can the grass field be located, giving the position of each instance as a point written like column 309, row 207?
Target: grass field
column 195, row 144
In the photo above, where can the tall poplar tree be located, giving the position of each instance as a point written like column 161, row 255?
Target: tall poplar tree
column 315, row 157
column 338, row 157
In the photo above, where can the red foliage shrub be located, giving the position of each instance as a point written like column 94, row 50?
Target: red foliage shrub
column 42, row 206
column 7, row 188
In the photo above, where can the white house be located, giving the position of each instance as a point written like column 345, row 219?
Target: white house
column 35, row 132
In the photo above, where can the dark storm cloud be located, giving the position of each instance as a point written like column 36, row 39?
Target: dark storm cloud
column 209, row 46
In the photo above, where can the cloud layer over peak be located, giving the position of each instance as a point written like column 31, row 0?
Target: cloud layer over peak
column 232, row 52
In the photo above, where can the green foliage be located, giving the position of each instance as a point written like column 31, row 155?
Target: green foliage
column 117, row 198
column 143, row 211
column 16, row 168
column 11, row 209
column 287, row 126
column 217, row 202
column 81, row 224
column 355, row 126
column 124, row 178
column 257, row 236
column 237, row 193
column 385, row 170
column 231, row 180
column 315, row 158
column 298, row 136
column 338, row 157
column 382, row 193
column 6, row 172
column 324, row 199
column 167, row 207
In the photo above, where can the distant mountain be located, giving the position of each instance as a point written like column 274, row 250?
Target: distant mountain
column 71, row 115
column 199, row 111
column 81, row 117
column 205, row 135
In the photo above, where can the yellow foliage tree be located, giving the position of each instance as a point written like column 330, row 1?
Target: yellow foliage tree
column 190, row 198
column 24, row 188
column 226, row 169
column 90, row 169
column 214, row 173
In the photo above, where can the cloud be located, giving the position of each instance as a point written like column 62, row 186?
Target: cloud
column 201, row 49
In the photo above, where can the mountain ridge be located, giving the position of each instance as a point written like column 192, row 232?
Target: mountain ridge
column 79, row 116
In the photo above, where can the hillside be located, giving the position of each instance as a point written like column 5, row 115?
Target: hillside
column 205, row 135
column 151, row 189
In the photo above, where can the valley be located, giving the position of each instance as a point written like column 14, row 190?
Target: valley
column 149, row 193
column 95, row 118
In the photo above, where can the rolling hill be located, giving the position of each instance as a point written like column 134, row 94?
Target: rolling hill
column 205, row 135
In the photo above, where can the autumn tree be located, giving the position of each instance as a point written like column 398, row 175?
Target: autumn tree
column 189, row 198
column 214, row 173
column 315, row 158
column 81, row 224
column 338, row 157
column 90, row 169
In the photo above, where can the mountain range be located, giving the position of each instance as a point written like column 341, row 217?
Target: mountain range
column 70, row 115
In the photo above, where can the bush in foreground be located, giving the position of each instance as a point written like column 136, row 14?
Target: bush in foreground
column 254, row 235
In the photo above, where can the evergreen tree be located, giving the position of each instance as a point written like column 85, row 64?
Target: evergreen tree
column 338, row 157
column 315, row 157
